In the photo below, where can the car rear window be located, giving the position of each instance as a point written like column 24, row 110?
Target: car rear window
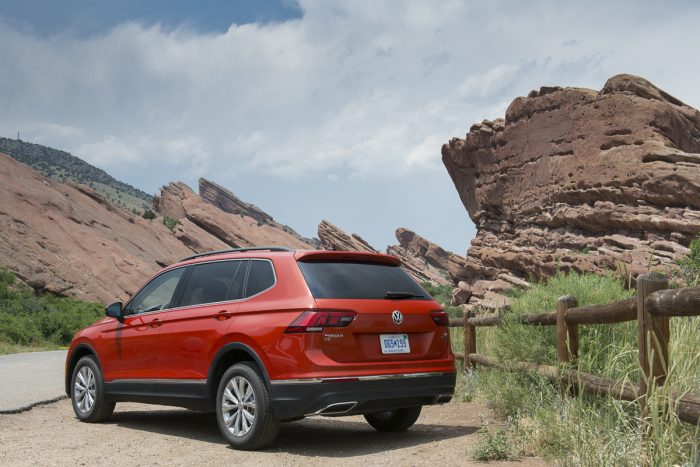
column 342, row 279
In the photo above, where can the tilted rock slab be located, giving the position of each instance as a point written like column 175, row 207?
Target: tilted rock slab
column 426, row 260
column 333, row 237
column 177, row 200
column 580, row 180
column 68, row 240
column 226, row 201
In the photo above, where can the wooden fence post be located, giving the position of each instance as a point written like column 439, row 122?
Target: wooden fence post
column 469, row 342
column 652, row 338
column 567, row 334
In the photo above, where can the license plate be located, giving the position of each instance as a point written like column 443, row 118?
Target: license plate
column 394, row 343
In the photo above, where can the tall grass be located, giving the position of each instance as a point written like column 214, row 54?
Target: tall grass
column 586, row 430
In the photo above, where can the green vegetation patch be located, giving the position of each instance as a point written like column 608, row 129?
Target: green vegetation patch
column 689, row 267
column 548, row 421
column 28, row 320
column 443, row 294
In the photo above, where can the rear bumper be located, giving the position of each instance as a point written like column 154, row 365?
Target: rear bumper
column 340, row 396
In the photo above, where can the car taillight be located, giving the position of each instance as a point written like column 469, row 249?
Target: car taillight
column 316, row 320
column 440, row 317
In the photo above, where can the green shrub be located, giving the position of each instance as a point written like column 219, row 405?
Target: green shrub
column 148, row 214
column 443, row 294
column 170, row 222
column 28, row 319
column 493, row 446
column 689, row 272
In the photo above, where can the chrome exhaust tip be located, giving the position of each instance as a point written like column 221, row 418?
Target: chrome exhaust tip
column 335, row 409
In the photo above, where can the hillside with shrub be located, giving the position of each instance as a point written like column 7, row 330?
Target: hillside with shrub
column 30, row 321
column 62, row 166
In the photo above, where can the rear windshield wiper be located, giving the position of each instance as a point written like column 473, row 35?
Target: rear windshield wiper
column 402, row 295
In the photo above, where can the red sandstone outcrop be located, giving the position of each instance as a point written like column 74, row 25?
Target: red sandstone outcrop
column 577, row 179
column 68, row 240
column 426, row 260
column 226, row 201
column 333, row 237
column 178, row 201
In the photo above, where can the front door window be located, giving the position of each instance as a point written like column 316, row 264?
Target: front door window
column 158, row 294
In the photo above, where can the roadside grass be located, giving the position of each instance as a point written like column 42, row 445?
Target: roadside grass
column 8, row 348
column 544, row 420
column 443, row 295
column 31, row 322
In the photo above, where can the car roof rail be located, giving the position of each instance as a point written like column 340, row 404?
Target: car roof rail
column 238, row 250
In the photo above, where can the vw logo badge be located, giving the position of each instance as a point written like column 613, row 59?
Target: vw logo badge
column 397, row 317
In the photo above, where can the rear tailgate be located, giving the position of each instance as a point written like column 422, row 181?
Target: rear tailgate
column 416, row 337
column 393, row 315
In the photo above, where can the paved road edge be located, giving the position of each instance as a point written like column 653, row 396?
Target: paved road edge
column 24, row 408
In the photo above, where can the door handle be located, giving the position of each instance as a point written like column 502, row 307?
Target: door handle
column 223, row 315
column 155, row 323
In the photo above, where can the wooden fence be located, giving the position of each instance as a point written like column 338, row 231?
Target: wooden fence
column 651, row 308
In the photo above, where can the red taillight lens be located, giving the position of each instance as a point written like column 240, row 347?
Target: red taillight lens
column 316, row 320
column 440, row 317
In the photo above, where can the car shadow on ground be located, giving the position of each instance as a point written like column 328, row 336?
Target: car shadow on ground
column 318, row 436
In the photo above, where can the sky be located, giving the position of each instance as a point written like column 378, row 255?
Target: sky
column 315, row 109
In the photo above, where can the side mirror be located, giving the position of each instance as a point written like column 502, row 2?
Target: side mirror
column 115, row 310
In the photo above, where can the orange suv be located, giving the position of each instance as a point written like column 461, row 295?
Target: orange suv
column 266, row 335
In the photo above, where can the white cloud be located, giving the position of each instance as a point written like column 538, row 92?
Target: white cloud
column 362, row 90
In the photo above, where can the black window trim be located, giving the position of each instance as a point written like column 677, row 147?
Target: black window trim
column 179, row 290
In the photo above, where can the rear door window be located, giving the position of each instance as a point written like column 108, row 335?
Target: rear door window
column 260, row 278
column 342, row 279
column 214, row 282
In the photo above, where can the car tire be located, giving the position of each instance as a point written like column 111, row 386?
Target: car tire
column 244, row 409
column 394, row 420
column 87, row 392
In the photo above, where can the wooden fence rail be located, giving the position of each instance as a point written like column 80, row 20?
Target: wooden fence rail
column 651, row 308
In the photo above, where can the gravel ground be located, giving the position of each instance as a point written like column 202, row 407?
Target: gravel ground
column 152, row 435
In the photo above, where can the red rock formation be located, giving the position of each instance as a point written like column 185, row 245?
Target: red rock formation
column 226, row 201
column 178, row 201
column 66, row 239
column 425, row 260
column 333, row 237
column 576, row 179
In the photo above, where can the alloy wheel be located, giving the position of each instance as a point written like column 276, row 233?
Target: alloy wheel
column 85, row 388
column 238, row 406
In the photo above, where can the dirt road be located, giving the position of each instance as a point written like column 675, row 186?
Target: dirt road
column 149, row 435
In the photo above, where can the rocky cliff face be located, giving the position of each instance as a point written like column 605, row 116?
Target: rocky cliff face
column 577, row 179
column 68, row 240
column 333, row 237
column 178, row 201
column 226, row 201
column 426, row 260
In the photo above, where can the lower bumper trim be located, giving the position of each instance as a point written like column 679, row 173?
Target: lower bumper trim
column 316, row 397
